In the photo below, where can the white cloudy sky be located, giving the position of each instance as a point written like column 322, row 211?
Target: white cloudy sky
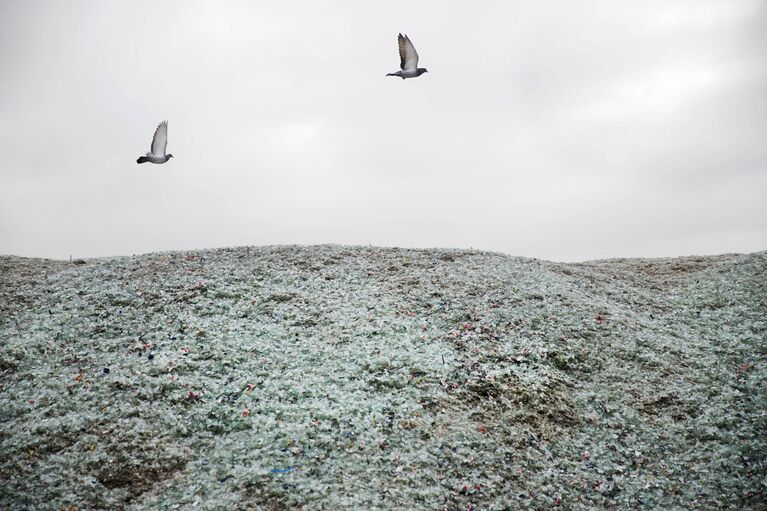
column 566, row 130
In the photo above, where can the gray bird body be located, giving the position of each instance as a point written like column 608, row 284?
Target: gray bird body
column 156, row 153
column 408, row 59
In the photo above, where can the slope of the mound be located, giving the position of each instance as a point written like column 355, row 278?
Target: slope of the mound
column 365, row 378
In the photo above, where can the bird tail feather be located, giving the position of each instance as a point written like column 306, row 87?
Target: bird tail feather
column 142, row 159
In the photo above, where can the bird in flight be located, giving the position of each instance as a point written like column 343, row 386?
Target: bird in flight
column 408, row 59
column 159, row 142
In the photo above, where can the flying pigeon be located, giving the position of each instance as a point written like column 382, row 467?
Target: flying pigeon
column 408, row 59
column 159, row 143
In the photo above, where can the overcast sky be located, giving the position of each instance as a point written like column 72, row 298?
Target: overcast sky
column 565, row 130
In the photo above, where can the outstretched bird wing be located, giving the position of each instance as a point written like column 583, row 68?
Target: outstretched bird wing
column 408, row 57
column 160, row 139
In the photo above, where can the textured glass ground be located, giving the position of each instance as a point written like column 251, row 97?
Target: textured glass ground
column 366, row 378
